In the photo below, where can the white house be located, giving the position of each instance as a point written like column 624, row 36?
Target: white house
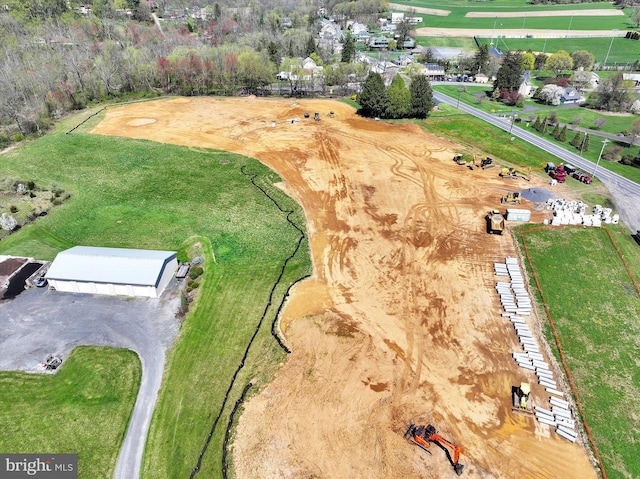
column 112, row 271
column 331, row 31
column 397, row 17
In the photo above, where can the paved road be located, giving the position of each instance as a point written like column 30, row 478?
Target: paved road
column 38, row 322
column 625, row 193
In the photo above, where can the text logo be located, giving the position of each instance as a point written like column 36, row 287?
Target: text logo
column 39, row 466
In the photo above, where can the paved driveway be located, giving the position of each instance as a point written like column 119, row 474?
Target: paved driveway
column 39, row 322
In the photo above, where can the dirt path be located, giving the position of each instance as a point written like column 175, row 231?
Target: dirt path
column 427, row 11
column 599, row 12
column 400, row 321
column 513, row 33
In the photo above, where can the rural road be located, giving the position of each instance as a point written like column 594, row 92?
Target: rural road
column 625, row 193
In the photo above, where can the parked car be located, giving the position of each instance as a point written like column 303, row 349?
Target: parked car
column 578, row 175
column 558, row 176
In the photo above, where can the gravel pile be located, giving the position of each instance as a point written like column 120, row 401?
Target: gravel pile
column 537, row 195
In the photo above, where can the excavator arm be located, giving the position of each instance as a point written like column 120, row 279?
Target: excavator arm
column 424, row 436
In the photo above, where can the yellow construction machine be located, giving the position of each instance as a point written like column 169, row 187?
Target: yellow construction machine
column 483, row 162
column 495, row 222
column 459, row 159
column 521, row 396
column 513, row 173
column 511, row 199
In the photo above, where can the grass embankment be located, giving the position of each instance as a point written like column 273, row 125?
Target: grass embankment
column 481, row 136
column 140, row 194
column 83, row 409
column 622, row 50
column 595, row 308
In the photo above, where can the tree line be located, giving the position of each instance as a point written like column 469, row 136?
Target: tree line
column 54, row 60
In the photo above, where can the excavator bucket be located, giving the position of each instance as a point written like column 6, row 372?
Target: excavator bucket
column 458, row 468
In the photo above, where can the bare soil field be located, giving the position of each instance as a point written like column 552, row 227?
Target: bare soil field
column 512, row 33
column 598, row 12
column 427, row 11
column 400, row 321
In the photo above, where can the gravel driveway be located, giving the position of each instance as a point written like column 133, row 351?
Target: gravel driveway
column 39, row 322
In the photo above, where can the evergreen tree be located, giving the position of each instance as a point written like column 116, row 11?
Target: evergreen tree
column 543, row 127
column 585, row 143
column 556, row 131
column 374, row 99
column 481, row 59
column 509, row 75
column 399, row 99
column 577, row 140
column 536, row 124
column 311, row 46
column 562, row 136
column 421, row 97
column 348, row 48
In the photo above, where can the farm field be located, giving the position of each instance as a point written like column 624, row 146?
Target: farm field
column 622, row 50
column 458, row 18
column 83, row 409
column 597, row 329
column 135, row 193
column 464, row 6
column 392, row 226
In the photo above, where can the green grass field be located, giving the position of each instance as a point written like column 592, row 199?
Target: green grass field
column 457, row 19
column 622, row 50
column 598, row 331
column 460, row 42
column 614, row 123
column 83, row 409
column 129, row 193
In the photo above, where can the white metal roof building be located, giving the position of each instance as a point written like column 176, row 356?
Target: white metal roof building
column 112, row 271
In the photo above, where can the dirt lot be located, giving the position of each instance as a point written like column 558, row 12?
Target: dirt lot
column 399, row 322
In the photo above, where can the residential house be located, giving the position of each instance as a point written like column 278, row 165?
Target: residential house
column 434, row 71
column 397, row 17
column 571, row 95
column 358, row 29
column 482, row 78
column 409, row 43
column 526, row 87
column 331, row 31
column 633, row 77
column 404, row 60
column 378, row 43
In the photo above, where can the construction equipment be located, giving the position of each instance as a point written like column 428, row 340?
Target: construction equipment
column 316, row 116
column 511, row 199
column 52, row 362
column 495, row 222
column 521, row 396
column 514, row 173
column 459, row 159
column 483, row 162
column 423, row 436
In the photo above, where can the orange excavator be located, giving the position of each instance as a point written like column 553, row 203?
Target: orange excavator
column 423, row 436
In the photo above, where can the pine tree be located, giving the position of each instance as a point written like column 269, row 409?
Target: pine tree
column 348, row 48
column 585, row 143
column 311, row 46
column 543, row 127
column 421, row 97
column 577, row 140
column 562, row 136
column 556, row 131
column 399, row 99
column 536, row 124
column 374, row 99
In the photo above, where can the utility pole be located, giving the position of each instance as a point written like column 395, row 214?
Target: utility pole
column 604, row 143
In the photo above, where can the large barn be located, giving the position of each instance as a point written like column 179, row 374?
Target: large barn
column 112, row 271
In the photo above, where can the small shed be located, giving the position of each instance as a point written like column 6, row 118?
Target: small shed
column 112, row 271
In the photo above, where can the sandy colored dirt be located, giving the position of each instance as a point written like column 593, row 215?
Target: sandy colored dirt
column 400, row 320
column 426, row 11
column 599, row 12
column 513, row 33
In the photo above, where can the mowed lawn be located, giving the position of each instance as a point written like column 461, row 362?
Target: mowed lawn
column 595, row 307
column 83, row 409
column 141, row 194
column 457, row 18
column 622, row 50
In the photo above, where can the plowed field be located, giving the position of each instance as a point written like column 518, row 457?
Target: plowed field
column 400, row 321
